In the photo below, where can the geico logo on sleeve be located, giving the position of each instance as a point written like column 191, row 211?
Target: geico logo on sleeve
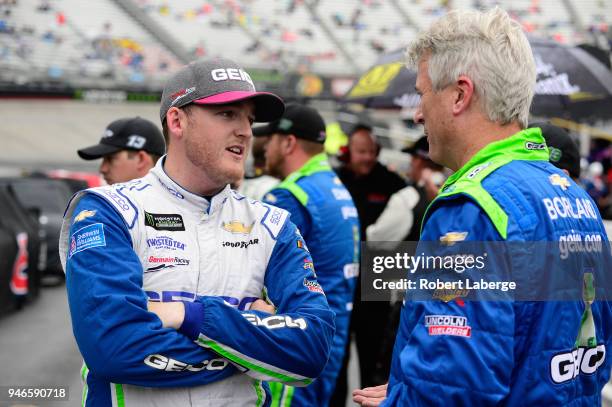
column 567, row 366
column 276, row 321
column 167, row 364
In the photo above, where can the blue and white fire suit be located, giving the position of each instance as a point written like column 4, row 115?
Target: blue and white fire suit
column 323, row 211
column 150, row 239
column 506, row 353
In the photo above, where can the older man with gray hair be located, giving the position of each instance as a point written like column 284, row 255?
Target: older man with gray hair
column 476, row 78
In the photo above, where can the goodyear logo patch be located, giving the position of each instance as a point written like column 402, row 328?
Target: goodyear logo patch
column 86, row 238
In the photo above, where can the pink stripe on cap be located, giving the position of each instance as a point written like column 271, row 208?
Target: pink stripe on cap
column 229, row 97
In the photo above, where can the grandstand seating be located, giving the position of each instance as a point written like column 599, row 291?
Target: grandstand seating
column 53, row 40
column 64, row 41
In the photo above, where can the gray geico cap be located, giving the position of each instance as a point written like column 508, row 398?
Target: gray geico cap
column 215, row 82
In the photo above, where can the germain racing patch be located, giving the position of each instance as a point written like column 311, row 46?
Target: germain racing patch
column 86, row 238
column 451, row 325
column 159, row 221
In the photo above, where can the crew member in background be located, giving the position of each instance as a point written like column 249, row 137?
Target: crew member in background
column 564, row 153
column 401, row 218
column 129, row 148
column 323, row 211
column 256, row 181
column 401, row 221
column 371, row 185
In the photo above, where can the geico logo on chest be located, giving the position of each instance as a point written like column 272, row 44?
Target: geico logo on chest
column 276, row 321
column 162, row 362
column 242, row 245
column 567, row 366
column 168, row 296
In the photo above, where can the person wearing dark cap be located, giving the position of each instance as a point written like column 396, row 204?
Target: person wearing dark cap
column 401, row 218
column 257, row 181
column 323, row 210
column 563, row 151
column 371, row 185
column 180, row 249
column 401, row 221
column 129, row 148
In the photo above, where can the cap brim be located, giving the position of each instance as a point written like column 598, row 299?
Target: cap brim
column 97, row 151
column 262, row 131
column 268, row 106
column 416, row 152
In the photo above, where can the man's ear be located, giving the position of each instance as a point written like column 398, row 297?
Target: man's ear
column 463, row 95
column 176, row 120
column 144, row 160
column 290, row 144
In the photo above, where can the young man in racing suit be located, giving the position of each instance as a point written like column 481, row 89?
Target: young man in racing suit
column 182, row 244
column 323, row 210
column 476, row 77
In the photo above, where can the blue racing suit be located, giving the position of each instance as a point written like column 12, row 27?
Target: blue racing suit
column 510, row 353
column 150, row 239
column 323, row 210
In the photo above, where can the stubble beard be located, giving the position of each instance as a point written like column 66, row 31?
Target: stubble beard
column 273, row 167
column 211, row 164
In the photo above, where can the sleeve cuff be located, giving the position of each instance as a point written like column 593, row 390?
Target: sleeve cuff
column 194, row 317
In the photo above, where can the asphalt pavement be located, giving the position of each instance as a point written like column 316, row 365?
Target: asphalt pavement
column 37, row 349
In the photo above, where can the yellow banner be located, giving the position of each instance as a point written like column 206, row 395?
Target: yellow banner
column 376, row 80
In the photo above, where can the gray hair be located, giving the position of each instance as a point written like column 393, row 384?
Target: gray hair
column 488, row 47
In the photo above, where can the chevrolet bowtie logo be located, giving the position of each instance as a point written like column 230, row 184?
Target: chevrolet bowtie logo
column 559, row 181
column 84, row 215
column 451, row 238
column 237, row 227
